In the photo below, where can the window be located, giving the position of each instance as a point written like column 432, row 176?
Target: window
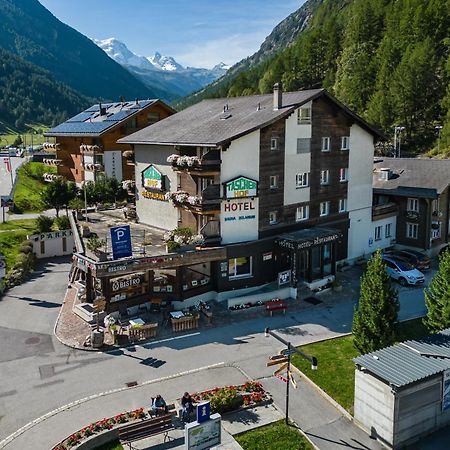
column 324, row 208
column 413, row 204
column 304, row 115
column 273, row 181
column 42, row 247
column 303, row 145
column 273, row 218
column 131, row 124
column 64, row 244
column 342, row 205
column 343, row 174
column 412, row 230
column 324, row 177
column 325, row 144
column 302, row 180
column 274, row 143
column 378, row 231
column 153, row 117
column 345, row 142
column 302, row 213
column 240, row 267
column 387, row 230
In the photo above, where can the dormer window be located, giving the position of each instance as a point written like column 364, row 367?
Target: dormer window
column 384, row 174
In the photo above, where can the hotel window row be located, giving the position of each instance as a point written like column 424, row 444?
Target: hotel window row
column 326, row 143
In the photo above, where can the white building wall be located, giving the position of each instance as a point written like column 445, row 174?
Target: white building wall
column 359, row 197
column 157, row 213
column 113, row 164
column 241, row 158
column 48, row 245
column 384, row 242
column 294, row 162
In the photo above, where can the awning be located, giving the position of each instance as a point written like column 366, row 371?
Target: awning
column 307, row 238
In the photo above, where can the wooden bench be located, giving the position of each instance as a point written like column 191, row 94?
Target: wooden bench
column 276, row 305
column 147, row 331
column 146, row 428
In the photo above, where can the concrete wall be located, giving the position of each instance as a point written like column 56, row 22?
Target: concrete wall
column 48, row 245
column 294, row 162
column 374, row 406
column 359, row 194
column 157, row 213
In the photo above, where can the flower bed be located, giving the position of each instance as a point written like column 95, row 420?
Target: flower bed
column 99, row 426
column 230, row 398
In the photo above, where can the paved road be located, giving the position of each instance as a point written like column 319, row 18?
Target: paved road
column 39, row 372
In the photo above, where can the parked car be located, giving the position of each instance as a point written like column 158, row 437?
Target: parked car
column 417, row 259
column 402, row 271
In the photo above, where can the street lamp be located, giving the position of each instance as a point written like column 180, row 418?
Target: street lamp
column 439, row 128
column 290, row 349
column 397, row 131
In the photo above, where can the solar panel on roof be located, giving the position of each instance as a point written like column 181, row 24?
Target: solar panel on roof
column 82, row 127
column 119, row 116
column 81, row 117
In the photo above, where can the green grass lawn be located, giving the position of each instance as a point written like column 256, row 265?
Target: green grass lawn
column 27, row 196
column 12, row 233
column 336, row 370
column 276, row 436
column 22, row 224
column 38, row 136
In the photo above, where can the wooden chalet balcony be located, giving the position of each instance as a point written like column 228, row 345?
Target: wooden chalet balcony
column 211, row 233
column 208, row 201
column 49, row 177
column 91, row 149
column 52, row 162
column 50, row 146
column 93, row 167
column 386, row 210
column 129, row 157
column 208, row 164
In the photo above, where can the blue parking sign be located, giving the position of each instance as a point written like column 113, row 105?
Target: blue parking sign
column 203, row 412
column 121, row 241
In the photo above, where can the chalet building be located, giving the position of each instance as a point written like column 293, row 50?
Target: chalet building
column 86, row 144
column 279, row 186
column 411, row 203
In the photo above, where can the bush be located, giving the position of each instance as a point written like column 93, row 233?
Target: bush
column 63, row 223
column 22, row 268
column 224, row 399
column 44, row 224
column 172, row 246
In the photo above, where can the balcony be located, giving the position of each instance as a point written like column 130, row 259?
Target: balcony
column 90, row 149
column 386, row 210
column 211, row 233
column 208, row 200
column 50, row 146
column 129, row 157
column 52, row 162
column 49, row 177
column 208, row 164
column 93, row 167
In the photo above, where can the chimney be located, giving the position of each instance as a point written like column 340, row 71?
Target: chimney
column 137, row 101
column 102, row 109
column 277, row 96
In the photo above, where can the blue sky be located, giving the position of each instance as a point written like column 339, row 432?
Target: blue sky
column 198, row 33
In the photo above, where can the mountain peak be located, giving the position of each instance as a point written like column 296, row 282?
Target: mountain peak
column 163, row 62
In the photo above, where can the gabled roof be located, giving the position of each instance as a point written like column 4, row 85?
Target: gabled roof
column 409, row 361
column 91, row 123
column 216, row 122
column 412, row 176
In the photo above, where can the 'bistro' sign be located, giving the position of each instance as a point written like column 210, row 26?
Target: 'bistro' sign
column 120, row 285
column 152, row 178
column 241, row 187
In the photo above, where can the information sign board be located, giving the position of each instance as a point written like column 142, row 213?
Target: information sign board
column 121, row 241
column 202, row 436
column 203, row 412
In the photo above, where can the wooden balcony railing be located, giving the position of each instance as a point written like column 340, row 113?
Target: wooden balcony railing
column 209, row 162
column 387, row 208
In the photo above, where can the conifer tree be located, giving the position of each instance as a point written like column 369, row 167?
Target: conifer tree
column 376, row 314
column 437, row 297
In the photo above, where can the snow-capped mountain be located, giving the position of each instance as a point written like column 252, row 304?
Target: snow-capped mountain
column 168, row 78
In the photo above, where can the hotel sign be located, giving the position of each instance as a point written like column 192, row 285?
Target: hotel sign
column 241, row 187
column 304, row 244
column 152, row 178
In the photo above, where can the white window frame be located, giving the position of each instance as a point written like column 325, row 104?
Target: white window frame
column 412, row 230
column 274, row 143
column 388, row 230
column 325, row 212
column 413, row 204
column 245, row 275
column 326, row 144
column 273, row 217
column 378, row 232
column 304, row 116
column 345, row 143
column 273, row 181
column 324, row 177
column 302, row 213
column 302, row 180
column 342, row 205
column 343, row 174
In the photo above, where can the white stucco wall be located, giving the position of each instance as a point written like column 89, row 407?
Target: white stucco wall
column 359, row 197
column 157, row 213
column 112, row 160
column 384, row 241
column 296, row 163
column 52, row 243
column 241, row 158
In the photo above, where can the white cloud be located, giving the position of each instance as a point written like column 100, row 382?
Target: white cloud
column 230, row 50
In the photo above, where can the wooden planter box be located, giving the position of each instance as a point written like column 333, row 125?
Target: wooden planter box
column 185, row 323
column 145, row 332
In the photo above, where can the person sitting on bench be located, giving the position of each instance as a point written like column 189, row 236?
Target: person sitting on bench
column 187, row 405
column 159, row 405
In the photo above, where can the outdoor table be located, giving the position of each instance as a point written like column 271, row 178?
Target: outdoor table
column 137, row 321
column 176, row 314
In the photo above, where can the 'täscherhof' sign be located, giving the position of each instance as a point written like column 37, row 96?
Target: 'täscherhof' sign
column 241, row 187
column 152, row 178
column 121, row 242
